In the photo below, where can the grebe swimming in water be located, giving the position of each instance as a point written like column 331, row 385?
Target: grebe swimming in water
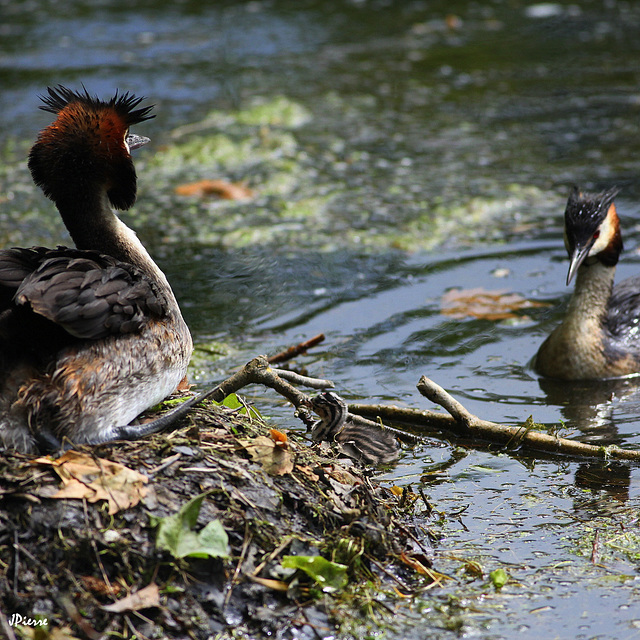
column 89, row 337
column 600, row 334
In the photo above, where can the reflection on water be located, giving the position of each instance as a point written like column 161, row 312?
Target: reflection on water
column 590, row 406
column 612, row 479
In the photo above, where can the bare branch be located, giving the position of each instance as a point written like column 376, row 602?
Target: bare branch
column 305, row 381
column 296, row 350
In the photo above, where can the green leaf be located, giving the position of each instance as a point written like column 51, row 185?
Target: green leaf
column 499, row 578
column 331, row 576
column 231, row 402
column 176, row 535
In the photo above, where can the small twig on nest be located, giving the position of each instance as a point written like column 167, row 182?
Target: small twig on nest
column 305, row 381
column 296, row 350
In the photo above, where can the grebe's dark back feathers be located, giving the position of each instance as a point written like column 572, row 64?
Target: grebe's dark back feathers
column 623, row 313
column 15, row 265
column 91, row 295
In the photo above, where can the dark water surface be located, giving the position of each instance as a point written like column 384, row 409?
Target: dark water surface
column 438, row 143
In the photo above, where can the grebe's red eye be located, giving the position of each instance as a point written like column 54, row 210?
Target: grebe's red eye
column 596, row 235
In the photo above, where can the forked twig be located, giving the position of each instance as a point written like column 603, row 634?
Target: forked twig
column 464, row 424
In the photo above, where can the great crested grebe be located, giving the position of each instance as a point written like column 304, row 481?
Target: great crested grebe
column 600, row 334
column 368, row 445
column 89, row 337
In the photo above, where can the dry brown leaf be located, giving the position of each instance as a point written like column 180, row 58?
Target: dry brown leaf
column 415, row 564
column 147, row 597
column 220, row 188
column 100, row 587
column 183, row 385
column 485, row 305
column 276, row 585
column 342, row 475
column 275, row 460
column 84, row 476
column 307, row 472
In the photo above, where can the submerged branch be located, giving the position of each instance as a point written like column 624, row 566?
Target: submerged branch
column 464, row 424
column 296, row 350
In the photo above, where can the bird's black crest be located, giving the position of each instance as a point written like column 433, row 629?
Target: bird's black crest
column 586, row 211
column 122, row 103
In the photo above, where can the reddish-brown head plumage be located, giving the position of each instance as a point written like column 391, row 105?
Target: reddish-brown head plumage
column 84, row 150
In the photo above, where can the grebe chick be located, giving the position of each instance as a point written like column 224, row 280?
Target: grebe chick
column 599, row 336
column 89, row 337
column 367, row 445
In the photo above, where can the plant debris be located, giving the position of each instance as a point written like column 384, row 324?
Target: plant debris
column 221, row 188
column 86, row 476
column 221, row 524
column 485, row 305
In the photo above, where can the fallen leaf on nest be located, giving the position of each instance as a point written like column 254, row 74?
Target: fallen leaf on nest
column 310, row 474
column 331, row 576
column 100, row 587
column 279, row 438
column 275, row 460
column 142, row 599
column 183, row 385
column 485, row 305
column 276, row 585
column 220, row 188
column 176, row 533
column 342, row 475
column 84, row 476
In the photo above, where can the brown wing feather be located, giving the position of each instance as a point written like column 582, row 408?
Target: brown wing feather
column 88, row 294
column 15, row 266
